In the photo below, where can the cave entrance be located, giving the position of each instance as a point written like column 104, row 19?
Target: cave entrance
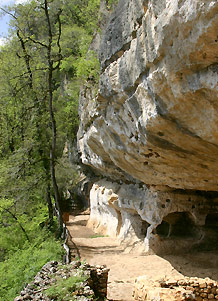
column 212, row 221
column 176, row 225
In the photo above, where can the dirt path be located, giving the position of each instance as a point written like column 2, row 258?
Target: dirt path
column 124, row 268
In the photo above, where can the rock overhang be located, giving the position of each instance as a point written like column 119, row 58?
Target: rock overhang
column 155, row 118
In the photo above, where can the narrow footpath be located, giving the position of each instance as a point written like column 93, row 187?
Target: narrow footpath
column 125, row 267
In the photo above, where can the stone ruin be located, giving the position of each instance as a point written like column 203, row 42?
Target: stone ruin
column 186, row 288
column 94, row 288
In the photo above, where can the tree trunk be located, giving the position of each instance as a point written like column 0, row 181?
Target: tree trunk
column 53, row 123
column 49, row 204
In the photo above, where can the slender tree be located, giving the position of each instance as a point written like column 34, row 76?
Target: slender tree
column 43, row 102
column 51, row 69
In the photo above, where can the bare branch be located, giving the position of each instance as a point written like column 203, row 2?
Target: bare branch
column 16, row 219
column 59, row 38
column 37, row 42
column 25, row 73
column 27, row 59
column 8, row 13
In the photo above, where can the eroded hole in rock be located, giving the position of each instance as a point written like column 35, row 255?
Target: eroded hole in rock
column 209, row 239
column 144, row 228
column 176, row 225
column 134, row 34
column 162, row 229
column 212, row 221
column 138, row 226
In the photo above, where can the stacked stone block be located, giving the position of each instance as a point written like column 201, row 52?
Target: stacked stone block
column 187, row 288
column 99, row 278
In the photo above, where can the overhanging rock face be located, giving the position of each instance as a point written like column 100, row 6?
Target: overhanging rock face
column 135, row 213
column 155, row 118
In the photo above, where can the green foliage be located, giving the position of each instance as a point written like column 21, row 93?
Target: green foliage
column 23, row 259
column 83, row 13
column 22, row 265
column 29, row 216
column 98, row 235
column 67, row 176
column 111, row 3
column 25, row 127
column 65, row 289
column 88, row 67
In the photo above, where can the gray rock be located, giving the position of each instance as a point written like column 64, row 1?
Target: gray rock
column 155, row 119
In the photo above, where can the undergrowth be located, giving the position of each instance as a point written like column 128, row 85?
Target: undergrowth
column 24, row 259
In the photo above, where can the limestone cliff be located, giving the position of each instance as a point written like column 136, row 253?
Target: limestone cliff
column 152, row 130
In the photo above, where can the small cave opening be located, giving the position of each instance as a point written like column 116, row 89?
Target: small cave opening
column 177, row 225
column 211, row 221
column 162, row 229
column 209, row 239
column 144, row 227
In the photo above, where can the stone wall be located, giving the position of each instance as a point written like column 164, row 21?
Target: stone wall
column 175, row 289
column 95, row 287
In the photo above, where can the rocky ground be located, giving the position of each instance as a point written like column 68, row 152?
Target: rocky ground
column 126, row 265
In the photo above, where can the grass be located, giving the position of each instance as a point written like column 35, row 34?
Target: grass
column 98, row 235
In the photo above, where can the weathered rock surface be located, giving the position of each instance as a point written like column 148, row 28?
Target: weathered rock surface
column 135, row 213
column 155, row 118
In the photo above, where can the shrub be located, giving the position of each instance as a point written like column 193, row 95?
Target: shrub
column 65, row 289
